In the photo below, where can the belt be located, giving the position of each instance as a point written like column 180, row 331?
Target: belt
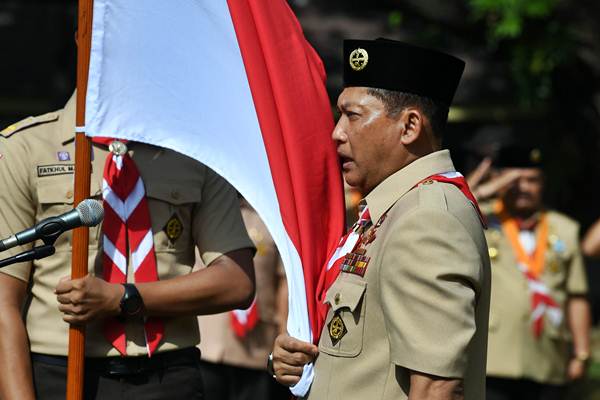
column 122, row 366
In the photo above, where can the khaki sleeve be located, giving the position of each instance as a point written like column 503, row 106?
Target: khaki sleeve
column 217, row 222
column 17, row 209
column 577, row 280
column 430, row 278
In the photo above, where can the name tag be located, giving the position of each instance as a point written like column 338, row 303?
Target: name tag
column 55, row 169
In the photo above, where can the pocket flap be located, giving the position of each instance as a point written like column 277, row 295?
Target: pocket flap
column 345, row 294
column 51, row 191
column 173, row 192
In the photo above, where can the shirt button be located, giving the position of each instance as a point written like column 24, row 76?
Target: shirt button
column 69, row 194
column 175, row 194
column 337, row 298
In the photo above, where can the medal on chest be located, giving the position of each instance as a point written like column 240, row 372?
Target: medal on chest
column 356, row 261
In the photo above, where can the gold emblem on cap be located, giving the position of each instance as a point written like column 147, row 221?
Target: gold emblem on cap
column 359, row 58
column 118, row 148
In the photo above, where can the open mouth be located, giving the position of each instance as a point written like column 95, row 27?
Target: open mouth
column 345, row 161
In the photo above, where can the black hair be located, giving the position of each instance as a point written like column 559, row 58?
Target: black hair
column 395, row 102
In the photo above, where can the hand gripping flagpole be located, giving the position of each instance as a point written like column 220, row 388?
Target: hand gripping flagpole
column 83, row 171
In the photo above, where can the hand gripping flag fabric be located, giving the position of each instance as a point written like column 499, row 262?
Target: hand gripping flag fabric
column 235, row 85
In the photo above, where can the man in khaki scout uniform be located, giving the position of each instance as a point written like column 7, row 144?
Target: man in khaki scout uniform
column 408, row 312
column 233, row 366
column 189, row 205
column 539, row 287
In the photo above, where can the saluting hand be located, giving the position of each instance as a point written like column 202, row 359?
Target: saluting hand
column 485, row 189
column 289, row 357
column 86, row 299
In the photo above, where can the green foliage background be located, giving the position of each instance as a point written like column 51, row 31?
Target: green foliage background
column 537, row 41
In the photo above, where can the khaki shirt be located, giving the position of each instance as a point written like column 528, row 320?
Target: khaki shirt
column 513, row 350
column 219, row 343
column 423, row 302
column 36, row 181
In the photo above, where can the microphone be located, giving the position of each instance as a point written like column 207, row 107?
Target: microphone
column 87, row 213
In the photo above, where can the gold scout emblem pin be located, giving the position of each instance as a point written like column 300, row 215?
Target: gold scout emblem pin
column 359, row 58
column 337, row 329
column 117, row 148
column 173, row 228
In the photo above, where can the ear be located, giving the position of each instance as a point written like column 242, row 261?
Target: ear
column 413, row 122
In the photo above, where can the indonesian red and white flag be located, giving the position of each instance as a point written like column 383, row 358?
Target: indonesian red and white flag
column 235, row 85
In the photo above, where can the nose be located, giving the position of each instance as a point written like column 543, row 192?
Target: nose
column 522, row 184
column 338, row 134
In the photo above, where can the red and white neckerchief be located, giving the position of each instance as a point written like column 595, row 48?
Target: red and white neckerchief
column 542, row 303
column 243, row 321
column 127, row 237
column 349, row 241
column 532, row 266
column 458, row 180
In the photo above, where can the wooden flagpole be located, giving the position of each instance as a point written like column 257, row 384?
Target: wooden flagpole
column 83, row 169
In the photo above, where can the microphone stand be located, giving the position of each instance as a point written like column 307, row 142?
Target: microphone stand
column 34, row 254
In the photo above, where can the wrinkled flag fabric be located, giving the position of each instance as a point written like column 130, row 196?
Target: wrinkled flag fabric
column 235, row 85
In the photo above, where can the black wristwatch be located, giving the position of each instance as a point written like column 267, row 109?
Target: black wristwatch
column 132, row 305
column 270, row 369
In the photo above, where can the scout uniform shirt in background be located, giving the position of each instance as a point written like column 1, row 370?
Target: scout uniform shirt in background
column 513, row 350
column 423, row 302
column 189, row 206
column 219, row 343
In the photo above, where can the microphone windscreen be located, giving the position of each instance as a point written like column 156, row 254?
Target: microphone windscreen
column 91, row 212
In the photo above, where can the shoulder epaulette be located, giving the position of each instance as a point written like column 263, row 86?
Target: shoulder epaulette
column 28, row 122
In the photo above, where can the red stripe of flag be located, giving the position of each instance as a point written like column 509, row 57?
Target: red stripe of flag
column 286, row 80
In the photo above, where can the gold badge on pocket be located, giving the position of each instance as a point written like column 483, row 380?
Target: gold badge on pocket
column 173, row 228
column 337, row 329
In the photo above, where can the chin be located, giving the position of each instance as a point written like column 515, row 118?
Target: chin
column 351, row 180
column 524, row 205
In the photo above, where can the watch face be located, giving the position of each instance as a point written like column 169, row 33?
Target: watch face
column 132, row 305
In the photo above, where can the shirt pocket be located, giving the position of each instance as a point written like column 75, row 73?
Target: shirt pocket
column 171, row 206
column 347, row 300
column 55, row 197
column 556, row 270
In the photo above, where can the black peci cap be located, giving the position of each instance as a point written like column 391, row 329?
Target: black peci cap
column 393, row 65
column 519, row 156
